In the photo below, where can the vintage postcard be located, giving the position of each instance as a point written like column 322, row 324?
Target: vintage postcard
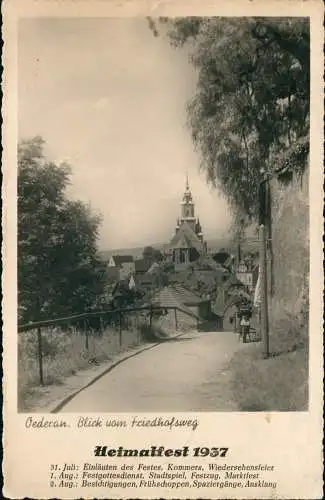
column 162, row 249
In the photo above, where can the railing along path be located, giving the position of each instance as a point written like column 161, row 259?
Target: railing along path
column 84, row 319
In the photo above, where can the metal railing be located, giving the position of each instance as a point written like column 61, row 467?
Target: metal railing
column 92, row 323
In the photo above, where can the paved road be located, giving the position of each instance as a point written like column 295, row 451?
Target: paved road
column 183, row 374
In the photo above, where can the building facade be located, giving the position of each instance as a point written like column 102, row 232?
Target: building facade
column 247, row 273
column 122, row 265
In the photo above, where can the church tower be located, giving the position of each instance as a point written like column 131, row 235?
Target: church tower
column 187, row 243
column 187, row 207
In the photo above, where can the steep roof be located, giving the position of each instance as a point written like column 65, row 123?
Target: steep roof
column 188, row 296
column 168, row 296
column 155, row 267
column 206, row 262
column 145, row 280
column 122, row 259
column 204, row 275
column 186, row 238
column 233, row 282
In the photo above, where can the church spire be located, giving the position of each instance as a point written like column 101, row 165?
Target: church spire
column 187, row 195
column 188, row 206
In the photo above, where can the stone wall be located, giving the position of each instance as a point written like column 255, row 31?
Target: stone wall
column 290, row 242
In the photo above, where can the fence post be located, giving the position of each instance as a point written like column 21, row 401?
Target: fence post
column 150, row 319
column 120, row 324
column 86, row 335
column 136, row 325
column 176, row 323
column 40, row 355
column 264, row 293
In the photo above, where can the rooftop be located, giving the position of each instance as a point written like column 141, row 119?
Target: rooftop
column 186, row 238
column 122, row 259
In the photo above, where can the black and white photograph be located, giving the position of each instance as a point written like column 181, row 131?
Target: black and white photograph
column 163, row 214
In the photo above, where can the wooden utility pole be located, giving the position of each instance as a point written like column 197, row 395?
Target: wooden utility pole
column 264, row 293
column 240, row 236
column 39, row 341
column 150, row 319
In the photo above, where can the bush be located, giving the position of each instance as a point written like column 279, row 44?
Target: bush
column 153, row 333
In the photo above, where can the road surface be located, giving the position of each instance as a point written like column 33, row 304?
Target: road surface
column 188, row 373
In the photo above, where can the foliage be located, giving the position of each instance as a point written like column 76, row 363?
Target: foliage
column 292, row 160
column 123, row 296
column 152, row 333
column 152, row 254
column 58, row 270
column 252, row 95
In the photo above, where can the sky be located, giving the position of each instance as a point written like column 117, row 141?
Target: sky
column 110, row 99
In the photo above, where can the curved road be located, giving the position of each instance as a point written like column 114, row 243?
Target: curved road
column 188, row 373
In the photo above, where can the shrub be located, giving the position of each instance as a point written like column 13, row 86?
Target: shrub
column 153, row 333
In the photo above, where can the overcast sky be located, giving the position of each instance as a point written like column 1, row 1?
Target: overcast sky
column 110, row 99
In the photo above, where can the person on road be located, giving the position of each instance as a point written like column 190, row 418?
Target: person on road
column 244, row 328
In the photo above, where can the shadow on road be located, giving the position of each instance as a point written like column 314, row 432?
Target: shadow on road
column 171, row 339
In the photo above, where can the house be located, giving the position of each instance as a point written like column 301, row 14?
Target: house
column 255, row 272
column 122, row 265
column 145, row 281
column 192, row 310
column 141, row 266
column 113, row 274
column 187, row 243
column 205, row 276
column 200, row 306
column 247, row 273
column 132, row 284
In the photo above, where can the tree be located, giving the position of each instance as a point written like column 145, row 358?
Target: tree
column 58, row 269
column 252, row 97
column 152, row 254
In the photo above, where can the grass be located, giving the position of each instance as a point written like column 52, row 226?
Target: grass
column 65, row 354
column 279, row 383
